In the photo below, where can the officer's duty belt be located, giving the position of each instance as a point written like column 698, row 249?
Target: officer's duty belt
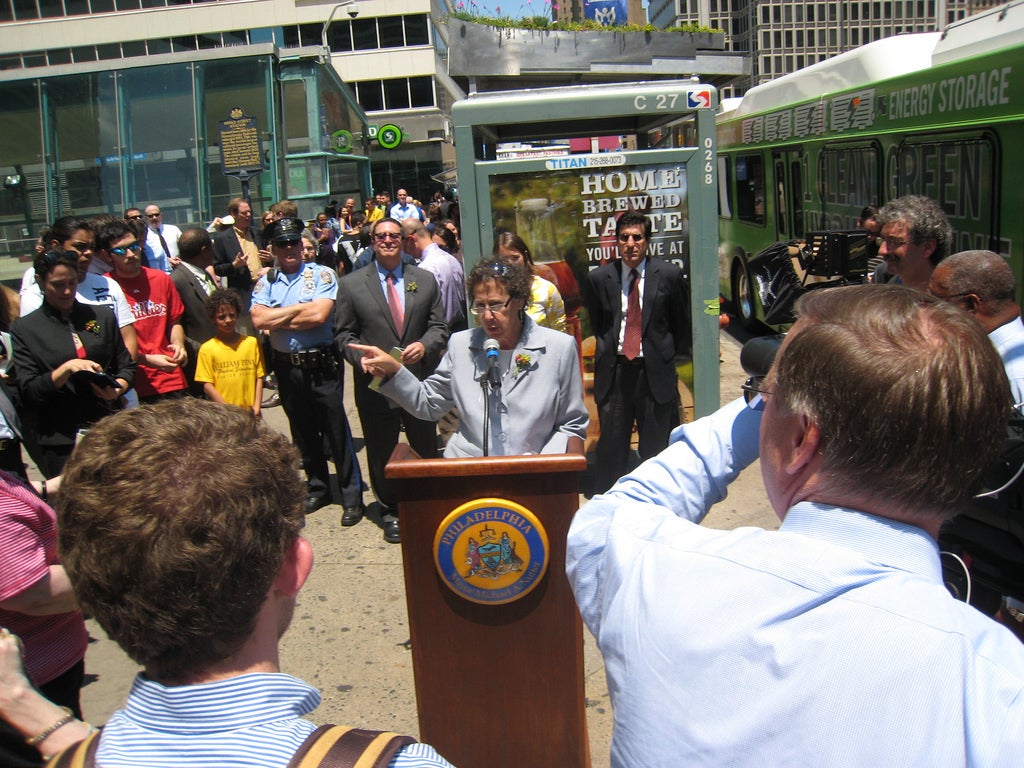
column 308, row 359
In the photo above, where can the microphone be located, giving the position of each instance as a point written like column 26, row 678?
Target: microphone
column 493, row 374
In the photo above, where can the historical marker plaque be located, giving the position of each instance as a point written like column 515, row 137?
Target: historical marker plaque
column 240, row 152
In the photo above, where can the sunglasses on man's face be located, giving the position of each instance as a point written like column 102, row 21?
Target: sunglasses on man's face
column 123, row 250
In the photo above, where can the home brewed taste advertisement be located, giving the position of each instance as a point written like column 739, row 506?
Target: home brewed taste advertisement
column 570, row 214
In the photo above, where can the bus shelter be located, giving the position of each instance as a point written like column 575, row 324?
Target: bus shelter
column 559, row 165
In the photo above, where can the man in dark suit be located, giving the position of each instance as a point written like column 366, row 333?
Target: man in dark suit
column 194, row 284
column 239, row 253
column 639, row 312
column 390, row 305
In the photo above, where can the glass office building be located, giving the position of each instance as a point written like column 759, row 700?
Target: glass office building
column 115, row 136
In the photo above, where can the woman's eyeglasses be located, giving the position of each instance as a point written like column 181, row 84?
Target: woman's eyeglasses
column 494, row 307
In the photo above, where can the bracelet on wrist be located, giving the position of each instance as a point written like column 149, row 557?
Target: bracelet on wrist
column 46, row 732
column 42, row 490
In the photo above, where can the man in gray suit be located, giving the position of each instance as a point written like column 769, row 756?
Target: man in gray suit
column 194, row 284
column 390, row 305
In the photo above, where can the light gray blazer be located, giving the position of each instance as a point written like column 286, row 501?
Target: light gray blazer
column 539, row 405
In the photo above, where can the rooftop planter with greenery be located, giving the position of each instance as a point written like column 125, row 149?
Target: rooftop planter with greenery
column 588, row 25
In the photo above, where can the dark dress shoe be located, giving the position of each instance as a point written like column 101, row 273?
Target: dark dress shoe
column 352, row 515
column 391, row 532
column 313, row 503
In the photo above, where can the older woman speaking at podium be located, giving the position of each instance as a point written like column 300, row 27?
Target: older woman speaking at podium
column 516, row 385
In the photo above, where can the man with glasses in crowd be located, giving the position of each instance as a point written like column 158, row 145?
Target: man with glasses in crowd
column 639, row 312
column 916, row 236
column 137, row 221
column 295, row 303
column 162, row 240
column 446, row 269
column 832, row 641
column 157, row 308
column 397, row 307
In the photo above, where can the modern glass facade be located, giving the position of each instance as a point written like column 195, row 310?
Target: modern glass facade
column 100, row 141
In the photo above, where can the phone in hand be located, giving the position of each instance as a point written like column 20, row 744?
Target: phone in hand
column 102, row 379
column 396, row 353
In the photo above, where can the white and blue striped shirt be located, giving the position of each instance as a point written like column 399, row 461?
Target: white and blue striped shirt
column 249, row 720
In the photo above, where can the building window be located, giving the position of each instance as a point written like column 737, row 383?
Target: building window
column 309, row 34
column 25, row 9
column 339, row 36
column 50, row 9
column 186, row 43
column 370, row 95
column 84, row 53
column 59, row 56
column 391, row 32
column 421, row 91
column 416, row 30
column 133, row 48
column 364, row 34
column 396, row 93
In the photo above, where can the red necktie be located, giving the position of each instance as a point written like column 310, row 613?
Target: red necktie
column 631, row 339
column 395, row 304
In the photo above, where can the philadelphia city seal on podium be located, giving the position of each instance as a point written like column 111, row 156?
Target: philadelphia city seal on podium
column 491, row 551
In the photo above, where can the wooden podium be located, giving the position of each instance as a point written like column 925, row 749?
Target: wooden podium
column 496, row 684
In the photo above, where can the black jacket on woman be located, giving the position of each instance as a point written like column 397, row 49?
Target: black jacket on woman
column 42, row 342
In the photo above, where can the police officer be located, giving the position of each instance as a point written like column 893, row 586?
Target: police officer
column 295, row 303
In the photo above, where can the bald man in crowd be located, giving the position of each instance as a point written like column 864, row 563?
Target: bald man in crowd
column 982, row 284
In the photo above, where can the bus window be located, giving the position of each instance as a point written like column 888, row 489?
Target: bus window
column 849, row 177
column 961, row 172
column 724, row 186
column 796, row 179
column 750, row 188
column 780, row 200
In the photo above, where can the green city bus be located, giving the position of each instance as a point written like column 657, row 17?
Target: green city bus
column 933, row 114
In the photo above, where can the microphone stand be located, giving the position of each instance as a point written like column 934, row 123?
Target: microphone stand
column 484, row 384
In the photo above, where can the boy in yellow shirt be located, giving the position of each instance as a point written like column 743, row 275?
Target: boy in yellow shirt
column 230, row 365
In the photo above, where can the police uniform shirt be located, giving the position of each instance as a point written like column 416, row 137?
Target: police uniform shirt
column 311, row 282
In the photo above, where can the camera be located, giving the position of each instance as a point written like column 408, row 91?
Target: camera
column 825, row 259
column 353, row 12
column 983, row 547
column 987, row 539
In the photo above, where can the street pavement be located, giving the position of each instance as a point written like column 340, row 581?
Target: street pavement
column 350, row 635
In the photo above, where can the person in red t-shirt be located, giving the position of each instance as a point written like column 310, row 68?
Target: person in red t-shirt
column 157, row 307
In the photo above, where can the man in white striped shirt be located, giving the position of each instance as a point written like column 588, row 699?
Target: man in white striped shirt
column 196, row 576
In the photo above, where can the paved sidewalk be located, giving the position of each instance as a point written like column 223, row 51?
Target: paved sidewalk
column 350, row 635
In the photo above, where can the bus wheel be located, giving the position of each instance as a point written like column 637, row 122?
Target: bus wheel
column 743, row 296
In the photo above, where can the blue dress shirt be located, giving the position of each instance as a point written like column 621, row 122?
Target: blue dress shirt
column 830, row 642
